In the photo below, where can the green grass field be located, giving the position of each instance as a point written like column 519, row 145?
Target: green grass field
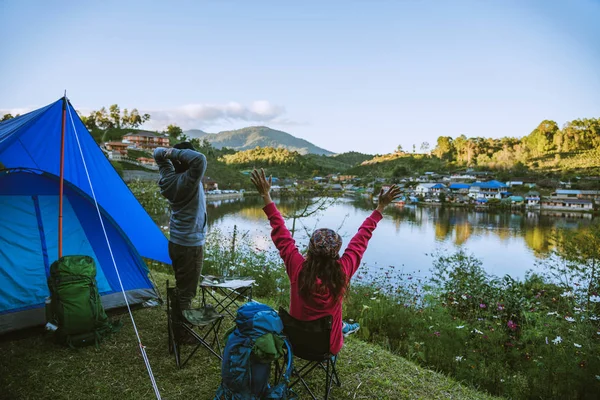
column 35, row 368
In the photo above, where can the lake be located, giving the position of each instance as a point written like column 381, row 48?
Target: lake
column 507, row 243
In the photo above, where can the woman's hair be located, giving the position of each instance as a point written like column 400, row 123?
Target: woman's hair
column 330, row 273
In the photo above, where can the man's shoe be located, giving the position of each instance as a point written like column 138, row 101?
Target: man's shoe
column 348, row 329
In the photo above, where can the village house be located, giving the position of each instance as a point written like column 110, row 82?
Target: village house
column 462, row 177
column 590, row 195
column 346, row 178
column 434, row 189
column 146, row 140
column 567, row 204
column 115, row 155
column 488, row 190
column 566, row 194
column 335, row 187
column 532, row 199
column 459, row 188
column 117, row 147
column 209, row 184
column 528, row 182
column 147, row 161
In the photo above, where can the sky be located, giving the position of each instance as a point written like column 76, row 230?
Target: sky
column 345, row 75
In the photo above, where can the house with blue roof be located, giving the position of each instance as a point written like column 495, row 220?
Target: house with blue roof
column 434, row 189
column 566, row 194
column 488, row 190
column 459, row 188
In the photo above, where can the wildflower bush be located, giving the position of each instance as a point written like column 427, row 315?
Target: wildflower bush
column 148, row 194
column 521, row 339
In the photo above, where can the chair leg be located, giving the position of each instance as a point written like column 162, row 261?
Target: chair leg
column 327, row 380
column 336, row 378
column 304, row 371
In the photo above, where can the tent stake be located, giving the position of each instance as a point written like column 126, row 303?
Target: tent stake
column 62, row 177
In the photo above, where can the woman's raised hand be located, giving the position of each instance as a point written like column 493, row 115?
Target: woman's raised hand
column 258, row 178
column 387, row 197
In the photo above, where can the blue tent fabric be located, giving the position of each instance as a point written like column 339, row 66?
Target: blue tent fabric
column 33, row 141
column 29, row 237
column 29, row 187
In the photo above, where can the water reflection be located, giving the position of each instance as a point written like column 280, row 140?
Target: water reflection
column 507, row 242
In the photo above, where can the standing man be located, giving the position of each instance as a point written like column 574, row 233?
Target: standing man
column 181, row 170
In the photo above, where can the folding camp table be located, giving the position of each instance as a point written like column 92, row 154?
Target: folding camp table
column 234, row 292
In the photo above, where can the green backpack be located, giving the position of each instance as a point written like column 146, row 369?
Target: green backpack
column 75, row 306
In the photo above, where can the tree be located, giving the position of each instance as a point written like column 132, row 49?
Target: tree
column 174, row 131
column 400, row 171
column 460, row 145
column 115, row 115
column 425, row 147
column 444, row 149
column 6, row 117
column 133, row 119
column 399, row 149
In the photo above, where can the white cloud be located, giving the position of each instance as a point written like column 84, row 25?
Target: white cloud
column 203, row 115
column 15, row 111
column 199, row 115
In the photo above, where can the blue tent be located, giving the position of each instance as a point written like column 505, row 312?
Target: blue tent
column 29, row 188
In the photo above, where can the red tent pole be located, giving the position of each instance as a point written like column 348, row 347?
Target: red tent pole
column 62, row 176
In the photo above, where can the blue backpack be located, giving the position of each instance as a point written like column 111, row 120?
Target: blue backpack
column 255, row 342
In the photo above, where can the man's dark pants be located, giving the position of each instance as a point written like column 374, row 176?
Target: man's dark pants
column 187, row 265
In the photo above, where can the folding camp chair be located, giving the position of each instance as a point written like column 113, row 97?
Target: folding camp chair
column 197, row 323
column 310, row 342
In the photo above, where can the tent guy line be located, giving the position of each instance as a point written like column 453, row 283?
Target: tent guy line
column 142, row 347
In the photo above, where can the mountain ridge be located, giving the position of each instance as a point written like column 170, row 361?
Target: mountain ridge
column 258, row 136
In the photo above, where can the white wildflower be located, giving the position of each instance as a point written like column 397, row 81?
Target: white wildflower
column 460, row 327
column 553, row 313
column 464, row 297
column 577, row 345
column 567, row 294
column 501, row 380
column 546, row 339
column 595, row 299
column 455, row 302
column 557, row 340
column 373, row 298
column 594, row 318
column 431, row 327
column 569, row 319
column 477, row 331
column 459, row 358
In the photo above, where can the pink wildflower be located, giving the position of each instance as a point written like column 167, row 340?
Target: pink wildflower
column 511, row 325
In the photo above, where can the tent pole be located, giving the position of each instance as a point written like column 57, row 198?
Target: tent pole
column 62, row 176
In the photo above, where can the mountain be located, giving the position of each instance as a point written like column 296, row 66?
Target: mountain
column 261, row 136
column 195, row 133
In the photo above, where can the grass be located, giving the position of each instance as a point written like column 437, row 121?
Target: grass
column 34, row 367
